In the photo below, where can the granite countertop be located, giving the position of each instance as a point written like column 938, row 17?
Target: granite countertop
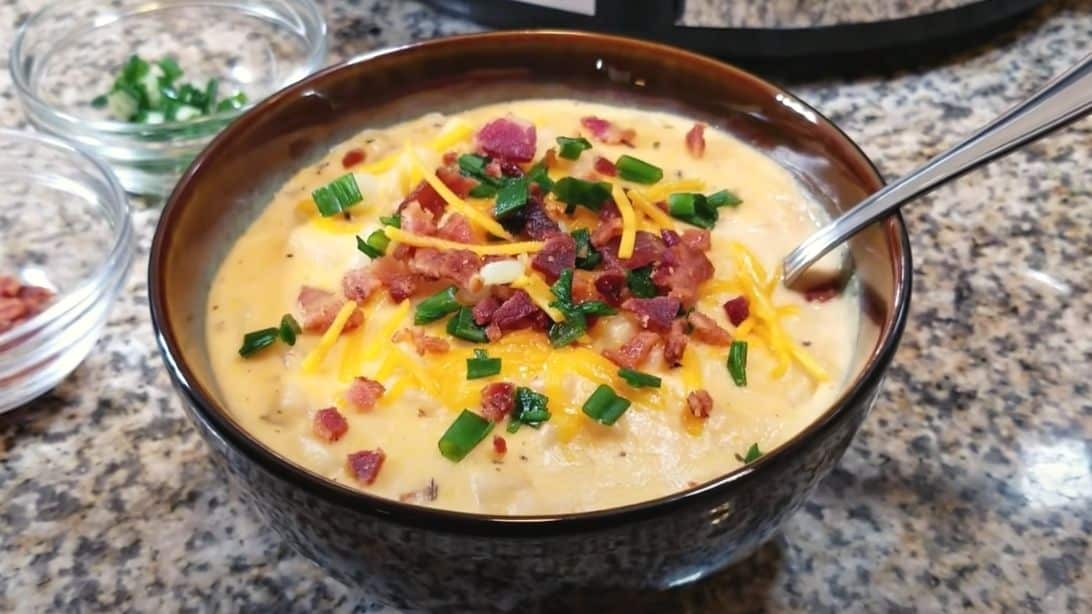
column 969, row 487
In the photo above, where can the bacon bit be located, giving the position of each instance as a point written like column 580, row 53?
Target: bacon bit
column 707, row 330
column 353, row 157
column 365, row 464
column 737, row 310
column 510, row 169
column 319, row 309
column 517, row 312
column 422, row 343
column 493, row 169
column 611, row 284
column 427, row 494
column 647, row 249
column 695, row 140
column 608, row 230
column 329, row 425
column 699, row 403
column 606, row 132
column 429, row 200
column 483, row 311
column 456, row 228
column 532, row 220
column 584, row 286
column 19, row 302
column 418, row 219
column 655, row 313
column 670, row 237
column 696, row 238
column 675, row 344
column 459, row 266
column 500, row 446
column 549, row 159
column 558, row 254
column 359, row 284
column 682, row 270
column 509, row 138
column 450, row 158
column 498, row 399
column 605, row 167
column 635, row 351
column 364, row 393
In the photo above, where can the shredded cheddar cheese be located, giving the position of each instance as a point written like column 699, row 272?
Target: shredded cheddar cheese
column 454, row 132
column 629, row 222
column 539, row 293
column 661, row 191
column 651, row 211
column 382, row 337
column 457, row 204
column 350, row 358
column 314, row 359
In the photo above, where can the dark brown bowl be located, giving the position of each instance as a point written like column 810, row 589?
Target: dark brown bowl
column 412, row 556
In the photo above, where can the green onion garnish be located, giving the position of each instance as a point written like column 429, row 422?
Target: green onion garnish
column 595, row 308
column 638, row 171
column 570, row 148
column 482, row 190
column 576, row 321
column 375, row 245
column 604, row 406
column 530, row 409
column 466, row 432
column 562, row 289
column 482, row 365
column 473, row 165
column 511, row 197
column 337, row 196
column 462, row 325
column 639, row 281
column 258, row 340
column 171, row 69
column 753, row 454
column 538, row 174
column 737, row 362
column 587, row 257
column 564, row 333
column 232, row 103
column 436, row 306
column 692, row 208
column 394, row 221
column 723, row 198
column 577, row 192
column 638, row 379
column 289, row 329
column 151, row 94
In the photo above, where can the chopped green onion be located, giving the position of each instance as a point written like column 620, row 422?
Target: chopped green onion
column 482, row 365
column 577, row 192
column 258, row 340
column 539, row 175
column 737, row 362
column 753, row 454
column 134, row 70
column 122, row 104
column 462, row 325
column 98, row 102
column 723, row 198
column 638, row 379
column 171, row 69
column 211, row 89
column 587, row 257
column 376, row 244
column 482, row 190
column 604, row 406
column 511, row 197
column 570, row 148
column 595, row 308
column 468, row 430
column 149, row 93
column 563, row 288
column 472, row 164
column 639, row 282
column 337, row 196
column 289, row 329
column 564, row 333
column 232, row 103
column 394, row 221
column 638, row 171
column 692, row 208
column 436, row 306
column 530, row 408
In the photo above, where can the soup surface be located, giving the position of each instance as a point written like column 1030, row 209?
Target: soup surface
column 618, row 264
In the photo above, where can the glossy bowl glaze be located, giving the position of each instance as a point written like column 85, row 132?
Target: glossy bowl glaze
column 417, row 557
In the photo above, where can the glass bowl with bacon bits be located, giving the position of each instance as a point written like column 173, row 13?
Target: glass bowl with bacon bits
column 66, row 243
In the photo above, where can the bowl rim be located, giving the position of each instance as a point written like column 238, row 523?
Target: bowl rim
column 446, row 521
column 119, row 254
column 316, row 52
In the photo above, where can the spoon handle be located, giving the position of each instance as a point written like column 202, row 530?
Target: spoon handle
column 1066, row 98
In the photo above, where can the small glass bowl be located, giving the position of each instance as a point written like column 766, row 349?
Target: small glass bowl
column 71, row 51
column 64, row 226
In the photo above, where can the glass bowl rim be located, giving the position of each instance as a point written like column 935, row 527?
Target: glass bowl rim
column 316, row 51
column 122, row 237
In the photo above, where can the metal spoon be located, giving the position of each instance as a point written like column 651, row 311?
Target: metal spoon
column 1065, row 99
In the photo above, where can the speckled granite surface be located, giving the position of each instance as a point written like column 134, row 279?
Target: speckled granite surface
column 969, row 488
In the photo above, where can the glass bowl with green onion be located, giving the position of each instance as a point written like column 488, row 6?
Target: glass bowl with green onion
column 147, row 85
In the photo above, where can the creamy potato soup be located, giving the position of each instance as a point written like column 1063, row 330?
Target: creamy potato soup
column 533, row 307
